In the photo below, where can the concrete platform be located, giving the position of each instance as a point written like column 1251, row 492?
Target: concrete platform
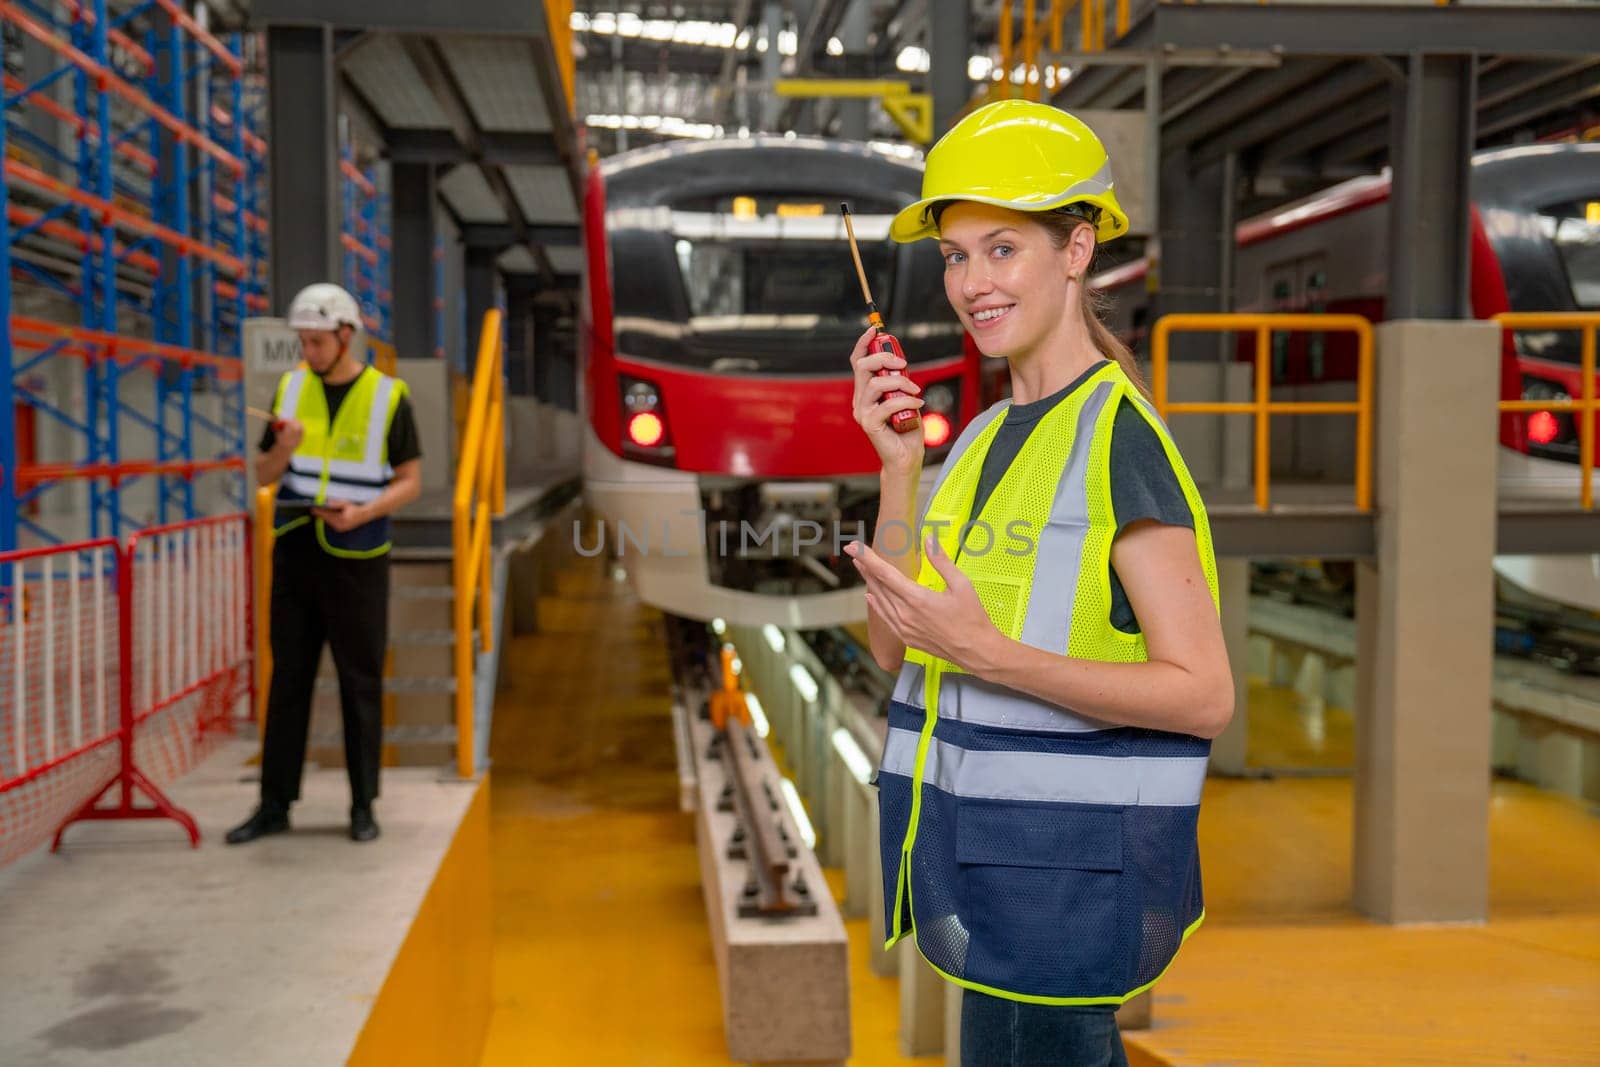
column 129, row 947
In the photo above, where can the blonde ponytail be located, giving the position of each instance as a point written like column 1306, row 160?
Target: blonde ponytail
column 1093, row 305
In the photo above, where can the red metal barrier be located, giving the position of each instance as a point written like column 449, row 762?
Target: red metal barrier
column 119, row 669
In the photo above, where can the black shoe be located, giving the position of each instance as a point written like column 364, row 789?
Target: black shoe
column 363, row 827
column 265, row 821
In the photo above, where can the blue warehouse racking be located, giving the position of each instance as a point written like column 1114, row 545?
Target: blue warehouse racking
column 152, row 181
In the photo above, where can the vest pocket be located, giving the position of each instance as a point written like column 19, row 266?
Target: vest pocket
column 1043, row 888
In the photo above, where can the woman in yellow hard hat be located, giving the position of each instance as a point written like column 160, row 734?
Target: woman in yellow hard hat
column 1054, row 621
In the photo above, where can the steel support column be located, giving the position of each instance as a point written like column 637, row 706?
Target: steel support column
column 1431, row 140
column 853, row 30
column 301, row 94
column 1192, row 249
column 949, row 48
column 482, row 280
column 415, row 200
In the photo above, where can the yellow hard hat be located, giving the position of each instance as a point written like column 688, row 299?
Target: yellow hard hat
column 1017, row 154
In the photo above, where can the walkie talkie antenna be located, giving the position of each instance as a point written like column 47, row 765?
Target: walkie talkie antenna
column 873, row 315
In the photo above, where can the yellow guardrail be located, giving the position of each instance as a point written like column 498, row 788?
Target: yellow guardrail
column 480, row 495
column 1263, row 406
column 1585, row 406
column 266, row 499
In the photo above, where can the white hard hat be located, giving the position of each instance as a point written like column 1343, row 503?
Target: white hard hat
column 324, row 306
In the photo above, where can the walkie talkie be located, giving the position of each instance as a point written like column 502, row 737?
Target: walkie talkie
column 902, row 421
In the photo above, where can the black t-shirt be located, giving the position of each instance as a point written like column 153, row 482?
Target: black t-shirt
column 404, row 444
column 1143, row 483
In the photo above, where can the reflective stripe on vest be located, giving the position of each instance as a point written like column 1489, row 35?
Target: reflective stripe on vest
column 342, row 457
column 1052, row 777
column 1055, row 857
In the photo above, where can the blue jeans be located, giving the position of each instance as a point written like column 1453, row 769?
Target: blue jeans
column 1008, row 1033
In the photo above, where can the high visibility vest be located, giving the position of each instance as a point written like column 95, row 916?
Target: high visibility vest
column 1035, row 853
column 348, row 460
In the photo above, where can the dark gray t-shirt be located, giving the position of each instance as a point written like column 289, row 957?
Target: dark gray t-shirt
column 1143, row 484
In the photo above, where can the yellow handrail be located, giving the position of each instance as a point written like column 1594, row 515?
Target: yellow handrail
column 266, row 500
column 480, row 495
column 1263, row 406
column 1585, row 322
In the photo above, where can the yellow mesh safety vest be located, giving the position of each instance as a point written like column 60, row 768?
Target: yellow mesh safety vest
column 1036, row 853
column 347, row 459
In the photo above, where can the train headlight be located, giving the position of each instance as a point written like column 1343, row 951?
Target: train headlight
column 935, row 429
column 939, row 398
column 640, row 396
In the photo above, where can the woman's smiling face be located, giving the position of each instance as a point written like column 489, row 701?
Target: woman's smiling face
column 1003, row 275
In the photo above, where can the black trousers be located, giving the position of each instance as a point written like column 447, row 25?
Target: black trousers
column 317, row 599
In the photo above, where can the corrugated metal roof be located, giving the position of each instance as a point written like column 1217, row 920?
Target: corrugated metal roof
column 544, row 194
column 469, row 194
column 498, row 79
column 386, row 76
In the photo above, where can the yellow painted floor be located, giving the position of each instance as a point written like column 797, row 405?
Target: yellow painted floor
column 602, row 954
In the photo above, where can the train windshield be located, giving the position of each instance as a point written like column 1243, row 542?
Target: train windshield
column 1574, row 229
column 751, row 283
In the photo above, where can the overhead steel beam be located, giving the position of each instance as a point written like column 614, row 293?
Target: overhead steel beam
column 1217, row 81
column 406, row 16
column 434, row 69
column 1536, row 95
column 1331, row 93
column 1524, row 108
column 1504, row 84
column 500, row 236
column 1264, row 90
column 639, row 53
column 1362, row 30
column 1364, row 111
column 499, row 149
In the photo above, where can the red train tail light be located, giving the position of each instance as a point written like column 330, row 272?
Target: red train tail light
column 646, row 429
column 1543, row 427
column 935, row 429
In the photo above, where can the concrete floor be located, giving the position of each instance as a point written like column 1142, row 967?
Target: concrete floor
column 130, row 948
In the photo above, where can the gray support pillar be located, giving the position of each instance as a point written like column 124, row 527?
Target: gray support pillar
column 414, row 200
column 1431, row 139
column 1229, row 751
column 481, row 281
column 922, row 1004
column 771, row 63
column 305, row 159
column 853, row 28
column 1424, row 618
column 1191, row 248
column 520, row 348
column 949, row 49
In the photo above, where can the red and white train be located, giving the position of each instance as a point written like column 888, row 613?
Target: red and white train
column 721, row 308
column 1535, row 246
column 721, row 305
